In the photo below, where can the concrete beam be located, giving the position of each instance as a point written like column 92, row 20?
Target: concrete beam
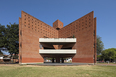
column 58, row 51
column 57, row 40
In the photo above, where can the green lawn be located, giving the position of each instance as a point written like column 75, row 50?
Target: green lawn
column 58, row 71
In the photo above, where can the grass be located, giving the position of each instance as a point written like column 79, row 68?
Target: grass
column 57, row 71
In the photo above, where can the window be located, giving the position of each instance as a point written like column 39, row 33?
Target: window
column 20, row 32
column 94, row 32
column 40, row 46
column 20, row 44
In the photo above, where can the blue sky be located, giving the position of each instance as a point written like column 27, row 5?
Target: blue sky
column 66, row 11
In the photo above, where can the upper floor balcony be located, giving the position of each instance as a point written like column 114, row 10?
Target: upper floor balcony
column 57, row 40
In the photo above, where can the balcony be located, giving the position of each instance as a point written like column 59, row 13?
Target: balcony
column 58, row 51
column 57, row 41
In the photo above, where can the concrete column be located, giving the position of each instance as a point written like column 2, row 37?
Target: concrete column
column 62, row 60
column 57, row 60
column 52, row 60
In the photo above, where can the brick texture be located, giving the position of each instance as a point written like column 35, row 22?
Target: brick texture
column 31, row 29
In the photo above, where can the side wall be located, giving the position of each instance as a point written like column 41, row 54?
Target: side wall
column 31, row 30
column 83, row 30
column 20, row 40
column 95, row 41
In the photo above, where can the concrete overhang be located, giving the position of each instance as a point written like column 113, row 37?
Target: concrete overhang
column 57, row 40
column 57, row 51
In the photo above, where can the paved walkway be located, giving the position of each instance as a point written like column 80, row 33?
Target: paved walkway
column 61, row 64
column 58, row 64
column 106, row 64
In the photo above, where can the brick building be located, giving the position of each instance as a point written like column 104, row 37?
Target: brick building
column 38, row 40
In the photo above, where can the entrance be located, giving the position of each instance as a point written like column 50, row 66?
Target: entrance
column 57, row 60
column 53, row 60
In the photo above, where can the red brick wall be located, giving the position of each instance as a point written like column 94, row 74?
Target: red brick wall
column 57, row 24
column 31, row 29
column 95, row 41
column 85, row 39
column 20, row 41
column 83, row 30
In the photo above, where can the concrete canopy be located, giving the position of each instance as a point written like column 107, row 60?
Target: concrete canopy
column 57, row 41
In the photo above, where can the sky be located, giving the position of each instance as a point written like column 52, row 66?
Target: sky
column 66, row 11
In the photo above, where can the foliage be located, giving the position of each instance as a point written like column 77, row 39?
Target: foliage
column 1, row 53
column 9, row 38
column 100, row 45
column 99, row 57
column 2, row 37
column 109, row 54
column 15, row 57
column 73, row 36
column 12, row 36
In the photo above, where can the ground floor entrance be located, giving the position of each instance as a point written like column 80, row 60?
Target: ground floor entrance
column 54, row 60
column 57, row 58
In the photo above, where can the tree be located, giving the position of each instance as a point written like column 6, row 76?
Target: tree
column 2, row 38
column 12, row 39
column 1, row 52
column 109, row 54
column 100, row 45
column 99, row 57
column 9, row 38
